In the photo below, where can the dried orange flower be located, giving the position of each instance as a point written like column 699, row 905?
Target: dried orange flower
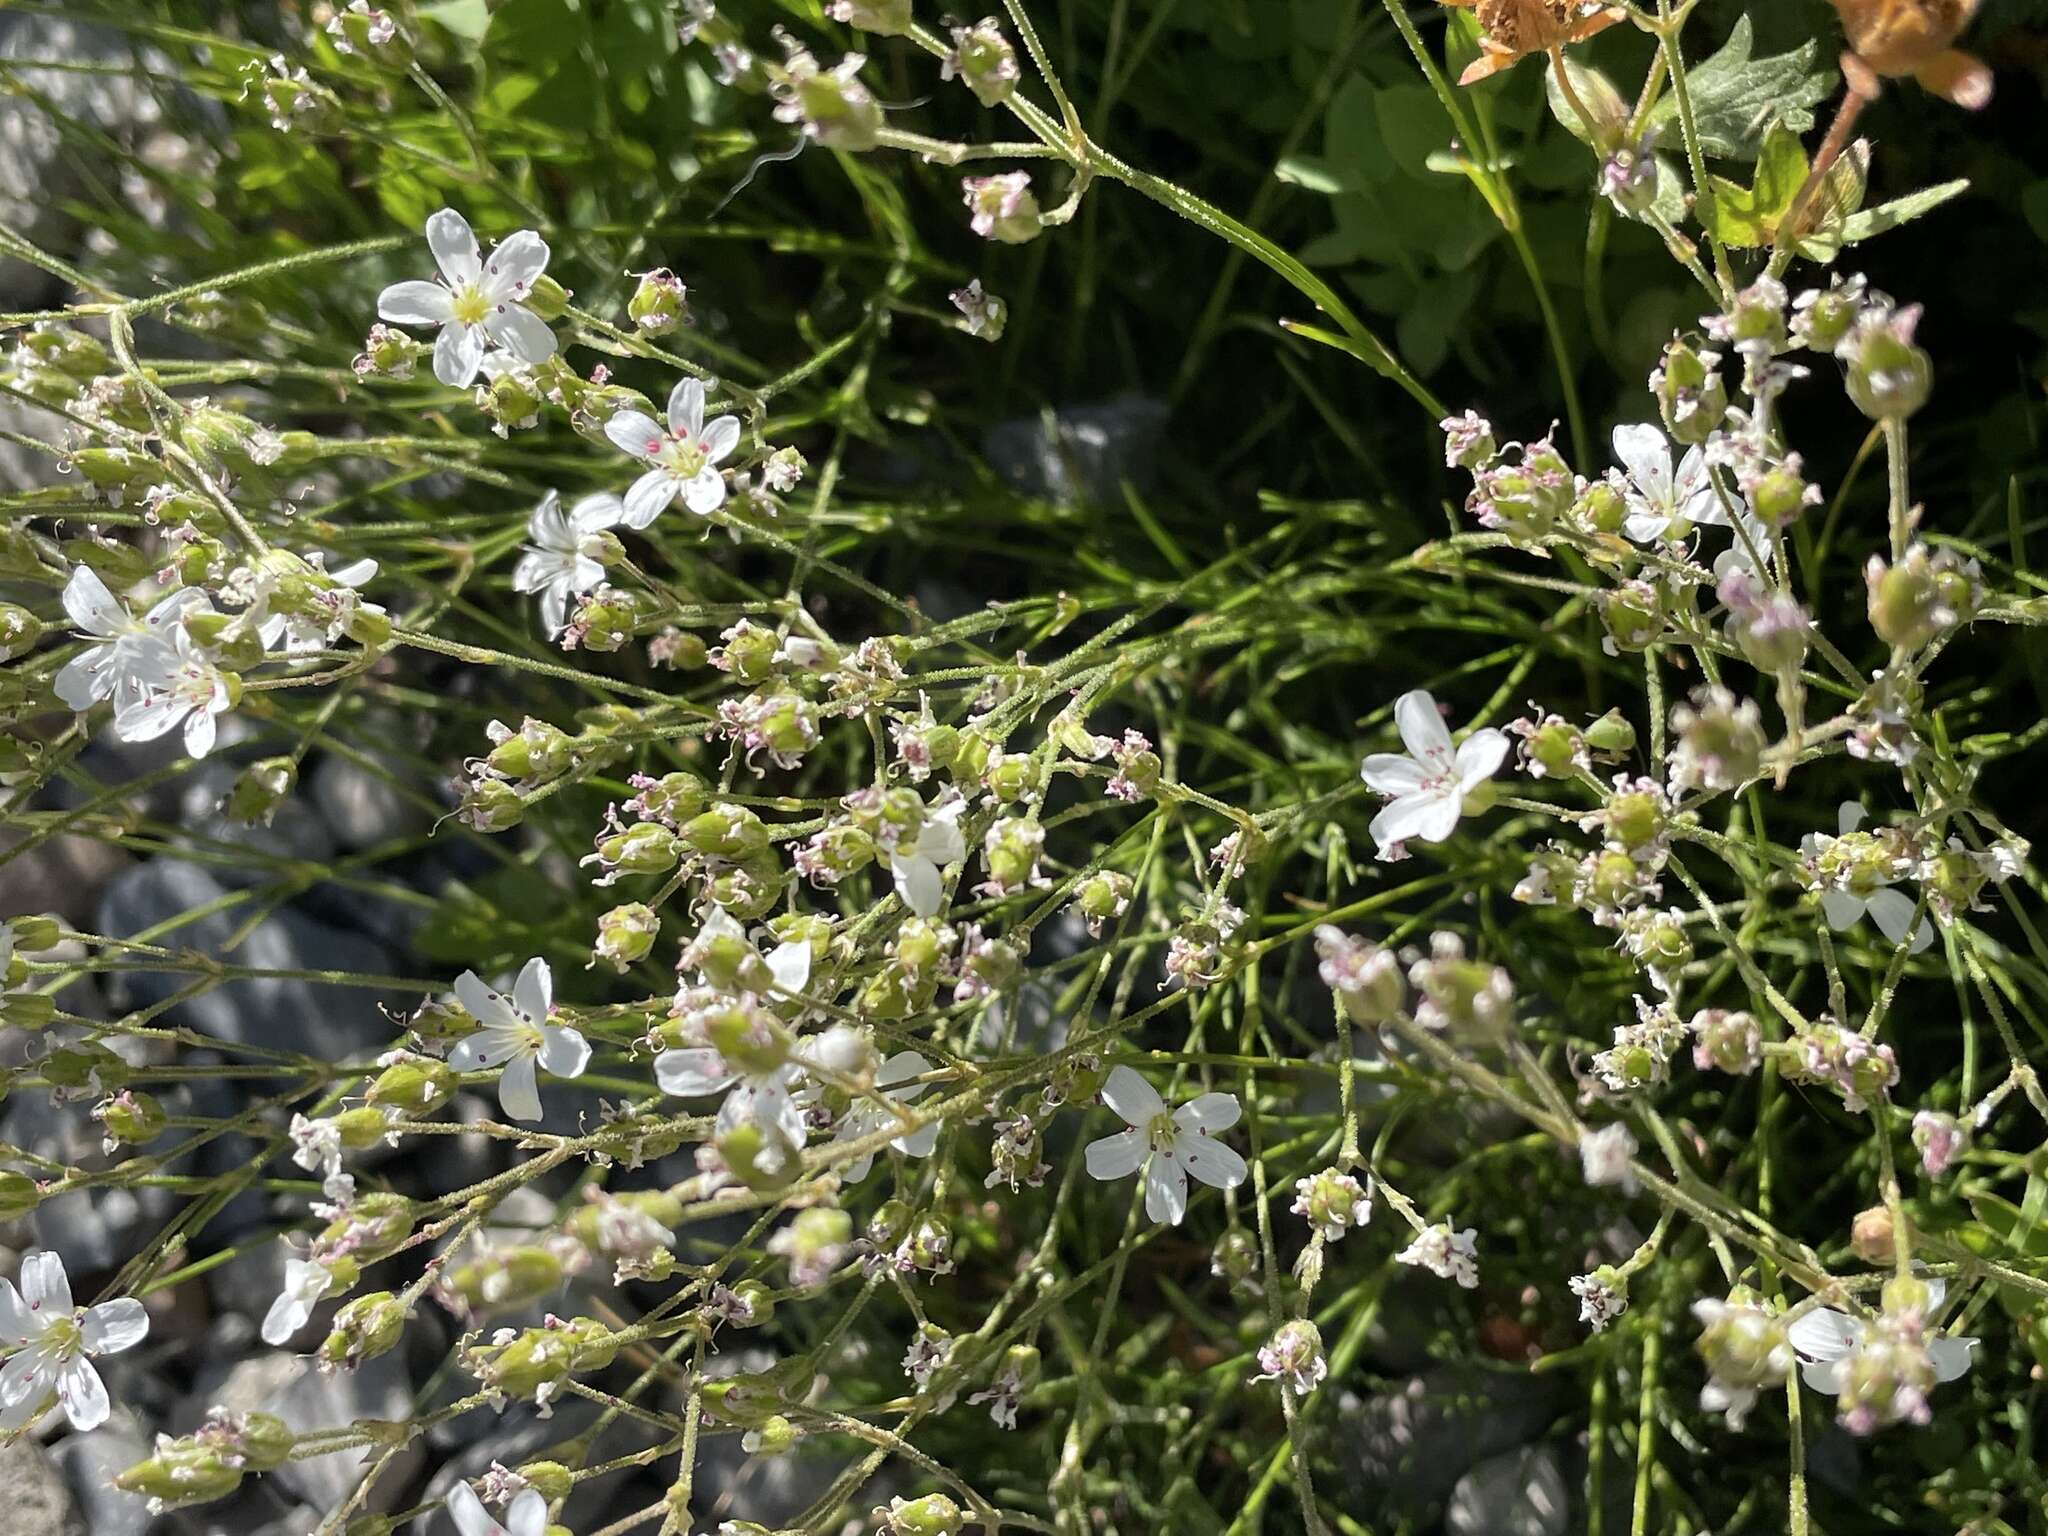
column 1911, row 37
column 1511, row 30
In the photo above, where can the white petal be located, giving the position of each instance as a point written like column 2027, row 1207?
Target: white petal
column 719, row 438
column 469, row 1514
column 287, row 1315
column 91, row 606
column 1824, row 1375
column 1132, row 1097
column 941, row 840
column 113, row 1326
column 635, row 432
column 917, row 882
column 1480, row 755
column 1841, row 909
column 518, row 1092
column 533, row 994
column 1166, row 1191
column 1208, row 1113
column 479, row 1001
column 521, row 332
column 481, row 1051
column 199, row 733
column 901, row 1068
column 790, row 965
column 918, row 1143
column 704, row 492
column 87, row 678
column 1118, row 1156
column 148, row 717
column 1893, row 911
column 1422, row 728
column 18, row 1414
column 1824, row 1334
column 686, row 409
column 564, row 1052
column 83, row 1395
column 692, row 1073
column 458, row 354
column 1391, row 773
column 17, row 1323
column 591, row 514
column 1643, row 452
column 417, row 302
column 1849, row 816
column 1427, row 817
column 23, row 1379
column 515, row 265
column 44, row 1285
column 1211, row 1161
column 527, row 1514
column 1951, row 1357
column 453, row 243
column 648, row 497
column 355, row 573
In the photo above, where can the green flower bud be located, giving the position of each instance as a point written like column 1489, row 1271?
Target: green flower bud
column 606, row 620
column 388, row 354
column 536, row 752
column 1011, row 851
column 261, row 789
column 1103, row 897
column 1635, row 818
column 762, row 1158
column 19, row 631
column 414, row 1086
column 1889, row 378
column 131, row 1116
column 363, row 1329
column 549, row 299
column 511, row 399
column 1013, row 776
column 932, row 1515
column 1611, row 735
column 748, row 653
column 659, row 304
column 1909, row 602
column 645, row 848
column 507, row 1278
column 361, row 1127
column 1690, row 395
column 673, row 798
column 931, row 1244
column 34, row 933
column 371, row 1229
column 678, row 648
column 726, row 832
column 1600, row 508
column 1633, row 615
column 771, row 1437
column 1003, row 207
column 491, row 805
column 625, row 934
column 983, row 60
column 18, row 1195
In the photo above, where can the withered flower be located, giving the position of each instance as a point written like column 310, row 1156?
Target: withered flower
column 1899, row 38
column 1511, row 30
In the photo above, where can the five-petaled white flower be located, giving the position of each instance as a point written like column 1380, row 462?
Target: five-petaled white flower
column 526, row 1515
column 1428, row 786
column 682, row 461
column 1655, row 497
column 516, row 1035
column 915, row 862
column 305, row 1282
column 1828, row 1342
column 1177, row 1144
column 1887, row 906
column 562, row 562
column 1450, row 1254
column 50, row 1340
column 109, row 668
column 867, row 1117
column 479, row 303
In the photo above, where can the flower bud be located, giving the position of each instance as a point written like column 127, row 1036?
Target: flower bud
column 131, row 1116
column 726, row 832
column 363, row 1329
column 535, row 753
column 1940, row 1139
column 1365, row 977
column 932, row 1515
column 1294, row 1357
column 1731, row 1042
column 1690, row 395
column 1611, row 735
column 19, row 631
column 1633, row 615
column 491, row 805
column 1010, row 850
column 503, row 1279
column 834, row 107
column 773, row 1436
column 510, row 398
column 1720, row 740
column 625, row 934
column 1871, row 1237
column 884, row 18
column 673, row 798
column 984, row 61
column 659, row 304
column 412, row 1086
column 1103, row 897
column 1003, row 207
column 1889, row 378
column 182, row 1473
column 1600, row 508
column 760, row 1157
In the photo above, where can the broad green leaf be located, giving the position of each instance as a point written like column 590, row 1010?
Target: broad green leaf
column 1748, row 216
column 1312, row 173
column 465, row 18
column 1412, row 125
column 1900, row 210
column 1736, row 99
column 1351, row 134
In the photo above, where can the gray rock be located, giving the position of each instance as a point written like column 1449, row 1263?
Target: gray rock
column 360, row 809
column 326, row 1020
column 38, row 1503
column 1084, row 454
column 254, row 852
column 1521, row 1493
column 89, row 1463
column 308, row 1399
column 63, row 874
column 1406, row 1448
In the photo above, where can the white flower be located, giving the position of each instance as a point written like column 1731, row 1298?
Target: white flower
column 335, row 605
column 562, row 562
column 317, row 1149
column 305, row 1282
column 515, row 1035
column 179, row 685
column 683, row 461
column 50, row 1338
column 1655, row 498
column 1827, row 1342
column 916, row 861
column 867, row 1117
column 108, row 669
column 481, row 302
column 526, row 1516
column 1599, row 1302
column 1452, row 1255
column 1177, row 1144
column 1891, row 909
column 1604, row 1156
column 1428, row 787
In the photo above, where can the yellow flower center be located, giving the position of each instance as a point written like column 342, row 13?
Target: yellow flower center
column 470, row 305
